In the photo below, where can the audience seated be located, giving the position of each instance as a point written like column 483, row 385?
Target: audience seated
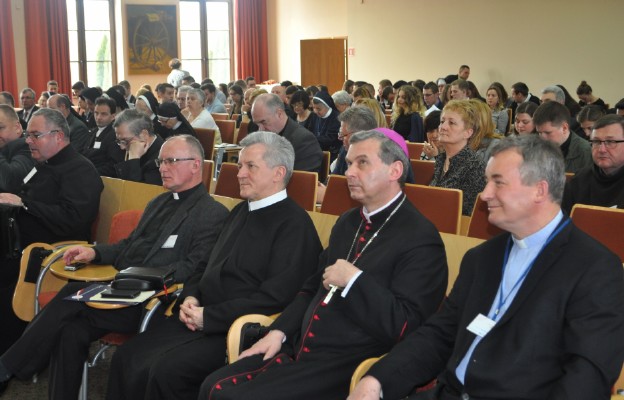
column 79, row 134
column 495, row 101
column 484, row 137
column 520, row 94
column 361, row 302
column 88, row 95
column 267, row 248
column 165, row 92
column 586, row 96
column 459, row 90
column 325, row 124
column 59, row 201
column 268, row 112
column 524, row 118
column 432, row 148
column 236, row 96
column 27, row 101
column 602, row 183
column 197, row 115
column 136, row 136
column 587, row 117
column 407, row 114
column 342, row 100
column 551, row 121
column 483, row 342
column 103, row 150
column 300, row 104
column 147, row 104
column 15, row 159
column 212, row 102
column 177, row 230
column 181, row 93
column 459, row 167
column 431, row 97
column 373, row 105
column 173, row 121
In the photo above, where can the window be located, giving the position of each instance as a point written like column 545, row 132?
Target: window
column 206, row 39
column 92, row 22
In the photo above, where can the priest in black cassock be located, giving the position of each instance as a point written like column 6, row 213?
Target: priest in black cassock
column 176, row 230
column 268, row 247
column 383, row 274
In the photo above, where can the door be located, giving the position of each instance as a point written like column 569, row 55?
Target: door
column 324, row 62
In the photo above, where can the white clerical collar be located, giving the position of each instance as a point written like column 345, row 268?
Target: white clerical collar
column 100, row 130
column 176, row 196
column 267, row 201
column 367, row 215
column 539, row 237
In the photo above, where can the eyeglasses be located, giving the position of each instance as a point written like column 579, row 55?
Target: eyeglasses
column 125, row 142
column 342, row 135
column 609, row 144
column 170, row 161
column 34, row 136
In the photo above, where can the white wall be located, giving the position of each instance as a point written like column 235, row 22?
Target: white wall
column 290, row 21
column 535, row 41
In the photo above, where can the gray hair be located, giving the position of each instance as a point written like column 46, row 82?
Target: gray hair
column 542, row 161
column 342, row 97
column 278, row 151
column 193, row 144
column 358, row 119
column 29, row 90
column 199, row 93
column 389, row 151
column 559, row 95
column 136, row 121
column 184, row 89
column 54, row 119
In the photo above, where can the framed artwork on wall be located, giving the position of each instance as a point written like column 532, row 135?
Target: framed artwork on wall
column 152, row 38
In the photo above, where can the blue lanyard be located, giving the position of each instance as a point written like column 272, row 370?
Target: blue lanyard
column 503, row 299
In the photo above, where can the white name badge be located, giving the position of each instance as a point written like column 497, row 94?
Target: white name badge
column 170, row 243
column 30, row 174
column 97, row 145
column 481, row 325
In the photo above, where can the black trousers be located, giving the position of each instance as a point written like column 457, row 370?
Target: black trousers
column 60, row 335
column 167, row 362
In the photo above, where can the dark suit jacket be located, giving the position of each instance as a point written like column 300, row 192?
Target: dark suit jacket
column 197, row 223
column 15, row 163
column 308, row 153
column 79, row 135
column 104, row 153
column 20, row 114
column 561, row 337
column 142, row 169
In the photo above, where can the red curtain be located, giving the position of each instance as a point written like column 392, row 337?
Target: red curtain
column 47, row 44
column 8, row 74
column 252, row 50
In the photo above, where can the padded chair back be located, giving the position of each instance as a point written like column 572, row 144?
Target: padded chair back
column 243, row 130
column 234, row 117
column 302, row 189
column 207, row 171
column 226, row 129
column 207, row 139
column 415, row 150
column 606, row 225
column 227, row 182
column 220, row 116
column 337, row 196
column 441, row 206
column 479, row 226
column 122, row 225
column 423, row 171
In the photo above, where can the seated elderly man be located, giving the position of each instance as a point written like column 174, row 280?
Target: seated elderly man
column 382, row 275
column 267, row 248
column 602, row 183
column 135, row 134
column 537, row 313
column 178, row 230
column 15, row 158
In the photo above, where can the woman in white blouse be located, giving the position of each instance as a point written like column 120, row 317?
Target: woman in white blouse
column 197, row 115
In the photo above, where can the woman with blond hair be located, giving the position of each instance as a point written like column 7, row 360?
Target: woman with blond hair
column 484, row 137
column 407, row 114
column 459, row 167
column 374, row 106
